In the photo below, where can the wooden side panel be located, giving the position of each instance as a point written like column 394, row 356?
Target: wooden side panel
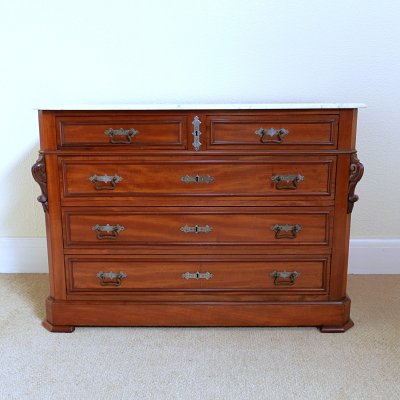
column 341, row 237
column 54, row 231
column 52, row 208
column 48, row 140
column 347, row 129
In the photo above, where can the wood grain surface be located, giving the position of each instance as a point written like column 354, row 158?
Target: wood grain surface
column 220, row 223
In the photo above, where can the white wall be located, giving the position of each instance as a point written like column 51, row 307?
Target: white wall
column 201, row 51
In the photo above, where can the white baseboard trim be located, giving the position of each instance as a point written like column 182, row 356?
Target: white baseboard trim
column 23, row 255
column 367, row 256
column 374, row 256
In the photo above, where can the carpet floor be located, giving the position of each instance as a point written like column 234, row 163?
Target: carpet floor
column 200, row 363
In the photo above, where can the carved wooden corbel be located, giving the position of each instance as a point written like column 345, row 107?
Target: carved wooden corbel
column 39, row 174
column 356, row 173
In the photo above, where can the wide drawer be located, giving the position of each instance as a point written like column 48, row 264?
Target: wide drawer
column 277, row 177
column 141, row 132
column 195, row 226
column 269, row 131
column 119, row 274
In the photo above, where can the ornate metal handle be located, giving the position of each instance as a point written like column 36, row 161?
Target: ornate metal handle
column 289, row 231
column 196, row 229
column 111, row 278
column 107, row 231
column 197, row 275
column 110, row 182
column 125, row 135
column 292, row 179
column 271, row 132
column 197, row 179
column 196, row 133
column 287, row 278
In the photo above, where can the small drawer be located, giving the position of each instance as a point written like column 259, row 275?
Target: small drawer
column 119, row 274
column 207, row 226
column 309, row 177
column 141, row 132
column 266, row 131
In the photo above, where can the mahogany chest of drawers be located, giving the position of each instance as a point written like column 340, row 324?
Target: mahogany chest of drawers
column 198, row 216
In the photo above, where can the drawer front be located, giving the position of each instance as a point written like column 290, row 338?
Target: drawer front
column 210, row 226
column 245, row 132
column 275, row 177
column 114, row 274
column 123, row 132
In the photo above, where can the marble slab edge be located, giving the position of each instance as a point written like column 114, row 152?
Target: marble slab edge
column 267, row 106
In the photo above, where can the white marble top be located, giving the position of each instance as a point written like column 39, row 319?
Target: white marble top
column 267, row 106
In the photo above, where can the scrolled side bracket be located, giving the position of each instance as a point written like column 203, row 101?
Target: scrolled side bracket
column 39, row 174
column 356, row 173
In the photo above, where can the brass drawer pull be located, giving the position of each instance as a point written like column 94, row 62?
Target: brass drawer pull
column 107, row 231
column 197, row 275
column 124, row 135
column 270, row 133
column 196, row 229
column 197, row 179
column 289, row 231
column 110, row 182
column 284, row 278
column 111, row 278
column 196, row 133
column 293, row 181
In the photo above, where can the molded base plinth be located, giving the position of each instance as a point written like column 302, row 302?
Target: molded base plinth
column 328, row 315
column 58, row 328
column 337, row 328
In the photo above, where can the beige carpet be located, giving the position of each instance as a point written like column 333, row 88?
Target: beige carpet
column 200, row 363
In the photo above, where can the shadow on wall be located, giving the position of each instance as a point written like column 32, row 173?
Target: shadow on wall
column 22, row 215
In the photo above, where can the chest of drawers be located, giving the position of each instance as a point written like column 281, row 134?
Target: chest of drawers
column 198, row 215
